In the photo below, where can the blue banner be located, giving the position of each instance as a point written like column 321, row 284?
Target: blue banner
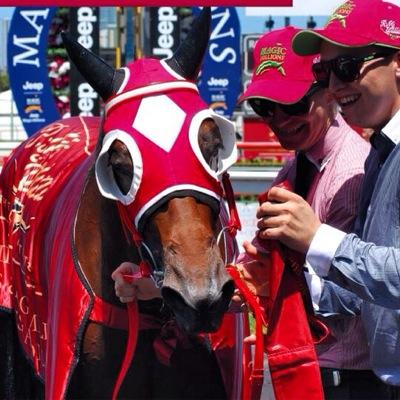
column 27, row 66
column 220, row 80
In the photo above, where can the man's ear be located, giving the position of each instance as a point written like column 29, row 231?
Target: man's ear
column 396, row 59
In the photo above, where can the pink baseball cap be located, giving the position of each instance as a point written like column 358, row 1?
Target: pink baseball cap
column 279, row 74
column 356, row 23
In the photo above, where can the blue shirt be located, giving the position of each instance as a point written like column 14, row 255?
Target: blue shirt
column 369, row 265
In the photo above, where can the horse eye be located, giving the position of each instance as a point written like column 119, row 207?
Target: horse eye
column 210, row 143
column 214, row 163
column 122, row 169
column 214, row 160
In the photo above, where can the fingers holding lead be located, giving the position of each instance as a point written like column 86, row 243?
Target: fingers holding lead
column 272, row 221
column 126, row 299
column 255, row 251
column 126, row 267
column 123, row 289
column 270, row 233
column 268, row 209
column 281, row 195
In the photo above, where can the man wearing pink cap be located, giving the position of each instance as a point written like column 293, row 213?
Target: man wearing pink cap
column 330, row 161
column 360, row 63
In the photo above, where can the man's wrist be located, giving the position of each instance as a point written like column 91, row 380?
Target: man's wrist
column 315, row 284
column 323, row 248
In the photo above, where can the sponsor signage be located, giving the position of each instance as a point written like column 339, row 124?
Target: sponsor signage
column 220, row 79
column 299, row 8
column 84, row 28
column 27, row 67
column 164, row 31
column 248, row 43
column 128, row 3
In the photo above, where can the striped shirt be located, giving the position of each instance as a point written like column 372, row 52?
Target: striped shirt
column 334, row 194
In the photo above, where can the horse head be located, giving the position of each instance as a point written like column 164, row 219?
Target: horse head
column 160, row 156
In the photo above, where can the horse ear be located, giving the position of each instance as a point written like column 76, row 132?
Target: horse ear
column 188, row 57
column 101, row 76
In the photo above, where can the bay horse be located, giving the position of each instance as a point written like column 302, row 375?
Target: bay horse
column 147, row 192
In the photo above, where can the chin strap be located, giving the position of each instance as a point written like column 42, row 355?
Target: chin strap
column 234, row 224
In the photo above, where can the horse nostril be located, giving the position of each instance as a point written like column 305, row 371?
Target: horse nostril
column 199, row 314
column 172, row 298
column 227, row 290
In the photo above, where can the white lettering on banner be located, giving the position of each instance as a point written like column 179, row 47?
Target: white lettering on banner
column 219, row 33
column 86, row 94
column 165, row 28
column 86, row 18
column 38, row 86
column 223, row 82
column 28, row 43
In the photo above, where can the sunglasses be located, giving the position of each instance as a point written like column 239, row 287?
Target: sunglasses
column 346, row 68
column 266, row 108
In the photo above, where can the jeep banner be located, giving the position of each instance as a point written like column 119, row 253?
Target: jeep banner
column 84, row 28
column 164, row 31
column 27, row 66
column 220, row 80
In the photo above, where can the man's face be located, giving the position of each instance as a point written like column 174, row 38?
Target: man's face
column 372, row 99
column 301, row 132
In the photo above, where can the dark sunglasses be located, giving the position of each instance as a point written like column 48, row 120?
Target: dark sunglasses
column 346, row 68
column 266, row 108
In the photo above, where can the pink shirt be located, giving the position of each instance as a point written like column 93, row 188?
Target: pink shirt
column 333, row 195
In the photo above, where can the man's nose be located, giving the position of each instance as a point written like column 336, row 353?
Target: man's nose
column 335, row 83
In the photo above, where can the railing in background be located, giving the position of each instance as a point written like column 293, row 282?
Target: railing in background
column 263, row 153
column 257, row 167
column 12, row 133
column 11, row 128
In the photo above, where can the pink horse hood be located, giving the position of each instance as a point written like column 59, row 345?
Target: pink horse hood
column 164, row 148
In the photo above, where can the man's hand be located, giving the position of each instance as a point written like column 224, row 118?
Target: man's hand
column 140, row 288
column 254, row 273
column 287, row 217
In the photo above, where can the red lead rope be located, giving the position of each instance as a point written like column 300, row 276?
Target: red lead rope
column 133, row 310
column 234, row 224
column 252, row 389
column 257, row 373
column 133, row 324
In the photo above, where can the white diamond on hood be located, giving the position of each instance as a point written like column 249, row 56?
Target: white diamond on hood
column 160, row 120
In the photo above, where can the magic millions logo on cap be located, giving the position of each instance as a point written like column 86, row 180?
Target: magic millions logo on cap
column 341, row 13
column 390, row 28
column 272, row 57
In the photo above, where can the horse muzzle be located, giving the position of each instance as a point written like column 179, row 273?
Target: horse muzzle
column 198, row 309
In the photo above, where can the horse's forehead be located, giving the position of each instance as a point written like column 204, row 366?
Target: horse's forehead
column 146, row 72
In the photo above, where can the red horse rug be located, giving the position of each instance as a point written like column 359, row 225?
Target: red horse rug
column 41, row 281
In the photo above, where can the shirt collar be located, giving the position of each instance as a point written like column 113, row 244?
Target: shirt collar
column 321, row 153
column 391, row 130
column 385, row 140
